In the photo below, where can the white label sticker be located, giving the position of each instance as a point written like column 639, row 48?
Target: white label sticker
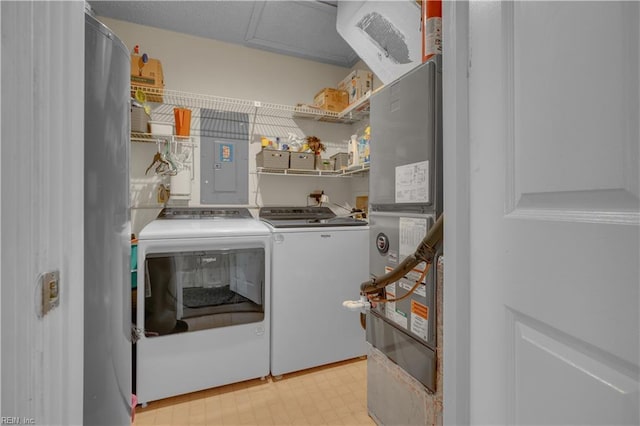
column 420, row 326
column 412, row 231
column 412, row 183
column 399, row 318
column 433, row 36
column 390, row 309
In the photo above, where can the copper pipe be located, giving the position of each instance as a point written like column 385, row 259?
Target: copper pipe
column 424, row 253
column 410, row 292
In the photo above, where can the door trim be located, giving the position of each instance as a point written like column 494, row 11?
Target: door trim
column 456, row 173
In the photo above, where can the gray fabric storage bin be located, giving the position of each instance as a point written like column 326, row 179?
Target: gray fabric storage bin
column 326, row 164
column 302, row 160
column 273, row 159
column 341, row 160
column 139, row 120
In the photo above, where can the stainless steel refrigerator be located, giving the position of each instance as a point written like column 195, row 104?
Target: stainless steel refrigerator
column 405, row 198
column 107, row 227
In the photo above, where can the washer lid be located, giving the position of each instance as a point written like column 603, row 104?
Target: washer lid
column 306, row 217
column 316, row 223
column 198, row 228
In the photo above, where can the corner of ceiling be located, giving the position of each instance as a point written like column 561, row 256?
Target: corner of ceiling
column 251, row 39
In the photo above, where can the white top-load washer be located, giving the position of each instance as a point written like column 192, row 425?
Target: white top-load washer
column 318, row 261
column 203, row 303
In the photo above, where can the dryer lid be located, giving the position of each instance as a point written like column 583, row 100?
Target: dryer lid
column 204, row 213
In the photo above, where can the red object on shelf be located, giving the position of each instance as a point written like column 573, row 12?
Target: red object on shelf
column 431, row 28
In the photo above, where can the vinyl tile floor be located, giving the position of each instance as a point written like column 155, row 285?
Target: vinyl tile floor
column 329, row 395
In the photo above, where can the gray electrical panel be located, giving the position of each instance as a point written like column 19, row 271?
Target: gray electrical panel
column 224, row 157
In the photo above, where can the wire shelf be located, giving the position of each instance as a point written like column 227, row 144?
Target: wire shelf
column 151, row 138
column 356, row 170
column 265, row 118
column 328, row 173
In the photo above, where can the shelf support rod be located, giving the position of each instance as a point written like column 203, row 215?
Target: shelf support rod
column 256, row 106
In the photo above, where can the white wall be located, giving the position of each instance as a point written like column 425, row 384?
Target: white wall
column 199, row 65
column 42, row 208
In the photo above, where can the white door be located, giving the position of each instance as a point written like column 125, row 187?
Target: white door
column 42, row 211
column 554, row 212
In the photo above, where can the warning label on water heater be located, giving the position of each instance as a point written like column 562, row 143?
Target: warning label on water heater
column 412, row 183
column 411, row 232
column 420, row 319
column 391, row 311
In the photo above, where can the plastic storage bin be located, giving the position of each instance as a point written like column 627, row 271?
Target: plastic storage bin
column 161, row 128
column 273, row 159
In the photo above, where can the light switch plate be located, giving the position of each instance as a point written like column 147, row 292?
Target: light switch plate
column 50, row 284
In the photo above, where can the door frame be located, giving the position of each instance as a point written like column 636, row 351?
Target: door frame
column 42, row 175
column 456, row 173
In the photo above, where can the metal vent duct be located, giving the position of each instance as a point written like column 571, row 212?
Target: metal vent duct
column 386, row 35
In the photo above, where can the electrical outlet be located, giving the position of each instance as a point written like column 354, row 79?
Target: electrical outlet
column 50, row 283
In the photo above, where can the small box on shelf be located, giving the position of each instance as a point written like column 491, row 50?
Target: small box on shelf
column 161, row 128
column 331, row 99
column 147, row 73
column 357, row 84
column 325, row 163
column 302, row 160
column 341, row 160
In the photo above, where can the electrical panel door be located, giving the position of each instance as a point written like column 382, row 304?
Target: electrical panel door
column 224, row 157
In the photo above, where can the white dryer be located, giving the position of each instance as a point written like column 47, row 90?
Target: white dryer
column 318, row 261
column 203, row 301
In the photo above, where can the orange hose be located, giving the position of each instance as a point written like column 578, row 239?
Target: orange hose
column 415, row 286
